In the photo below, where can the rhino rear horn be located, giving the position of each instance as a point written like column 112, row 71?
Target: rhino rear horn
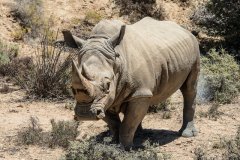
column 117, row 38
column 71, row 40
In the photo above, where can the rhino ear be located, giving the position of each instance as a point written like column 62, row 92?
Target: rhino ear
column 71, row 40
column 117, row 38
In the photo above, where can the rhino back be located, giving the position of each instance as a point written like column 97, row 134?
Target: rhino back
column 158, row 56
column 107, row 27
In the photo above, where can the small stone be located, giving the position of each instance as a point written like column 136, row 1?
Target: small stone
column 20, row 106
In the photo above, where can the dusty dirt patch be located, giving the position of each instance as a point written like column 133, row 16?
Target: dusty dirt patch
column 15, row 113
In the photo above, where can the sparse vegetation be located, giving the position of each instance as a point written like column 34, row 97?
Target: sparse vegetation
column 63, row 132
column 213, row 112
column 221, row 75
column 138, row 9
column 92, row 17
column 199, row 154
column 162, row 106
column 84, row 27
column 32, row 134
column 30, row 15
column 7, row 52
column 230, row 149
column 48, row 75
column 220, row 19
column 95, row 150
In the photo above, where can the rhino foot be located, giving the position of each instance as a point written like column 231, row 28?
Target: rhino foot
column 188, row 131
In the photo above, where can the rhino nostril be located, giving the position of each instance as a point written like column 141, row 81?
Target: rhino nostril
column 99, row 111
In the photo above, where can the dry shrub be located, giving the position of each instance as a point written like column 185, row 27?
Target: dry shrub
column 199, row 154
column 138, row 9
column 49, row 75
column 162, row 106
column 63, row 132
column 94, row 150
column 32, row 134
column 32, row 19
column 220, row 79
column 84, row 27
column 30, row 15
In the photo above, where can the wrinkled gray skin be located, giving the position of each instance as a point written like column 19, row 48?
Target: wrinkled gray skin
column 127, row 68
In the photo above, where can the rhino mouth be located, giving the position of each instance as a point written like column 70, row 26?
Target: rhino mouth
column 88, row 112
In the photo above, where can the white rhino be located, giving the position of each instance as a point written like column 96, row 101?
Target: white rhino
column 127, row 68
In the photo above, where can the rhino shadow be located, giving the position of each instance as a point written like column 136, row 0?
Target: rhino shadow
column 153, row 136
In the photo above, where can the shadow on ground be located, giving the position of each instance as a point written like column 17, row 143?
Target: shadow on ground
column 154, row 136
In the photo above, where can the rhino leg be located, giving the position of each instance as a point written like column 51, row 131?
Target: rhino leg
column 134, row 114
column 113, row 122
column 189, row 89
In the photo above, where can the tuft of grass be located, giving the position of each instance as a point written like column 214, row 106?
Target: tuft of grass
column 220, row 144
column 220, row 77
column 233, row 147
column 167, row 115
column 94, row 150
column 212, row 113
column 63, row 132
column 92, row 17
column 32, row 134
column 199, row 154
column 7, row 52
column 162, row 106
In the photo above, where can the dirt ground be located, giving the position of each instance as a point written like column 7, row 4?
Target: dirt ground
column 15, row 110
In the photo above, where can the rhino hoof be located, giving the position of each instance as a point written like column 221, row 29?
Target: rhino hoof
column 189, row 131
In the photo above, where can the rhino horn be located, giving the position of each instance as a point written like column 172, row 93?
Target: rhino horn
column 71, row 40
column 75, row 70
column 117, row 38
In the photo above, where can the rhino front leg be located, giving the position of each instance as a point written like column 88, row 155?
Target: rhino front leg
column 113, row 121
column 189, row 89
column 134, row 114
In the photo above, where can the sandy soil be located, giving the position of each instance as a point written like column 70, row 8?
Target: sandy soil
column 15, row 110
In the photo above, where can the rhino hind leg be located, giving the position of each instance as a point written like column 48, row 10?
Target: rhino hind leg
column 189, row 90
column 113, row 121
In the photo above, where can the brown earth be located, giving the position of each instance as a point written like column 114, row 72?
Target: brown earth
column 15, row 110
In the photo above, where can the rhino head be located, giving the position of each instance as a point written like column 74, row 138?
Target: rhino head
column 94, row 77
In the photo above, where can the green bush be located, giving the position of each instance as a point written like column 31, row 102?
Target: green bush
column 7, row 52
column 93, row 150
column 220, row 19
column 63, row 132
column 220, row 79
